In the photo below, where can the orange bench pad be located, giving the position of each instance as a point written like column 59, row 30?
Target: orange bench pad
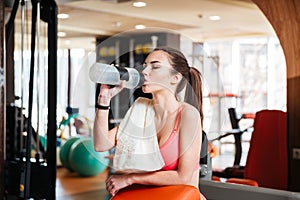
column 172, row 192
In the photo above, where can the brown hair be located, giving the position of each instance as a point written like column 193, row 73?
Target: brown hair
column 193, row 93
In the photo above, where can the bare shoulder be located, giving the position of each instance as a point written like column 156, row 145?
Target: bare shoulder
column 189, row 111
column 190, row 121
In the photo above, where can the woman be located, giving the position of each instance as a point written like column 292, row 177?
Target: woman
column 166, row 73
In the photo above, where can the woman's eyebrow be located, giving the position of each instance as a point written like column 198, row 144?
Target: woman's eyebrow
column 152, row 62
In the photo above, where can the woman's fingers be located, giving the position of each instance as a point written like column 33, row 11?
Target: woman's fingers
column 109, row 91
column 119, row 88
column 110, row 186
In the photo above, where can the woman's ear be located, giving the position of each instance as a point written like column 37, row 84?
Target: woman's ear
column 176, row 78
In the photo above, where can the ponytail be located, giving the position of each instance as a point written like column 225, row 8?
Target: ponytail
column 193, row 93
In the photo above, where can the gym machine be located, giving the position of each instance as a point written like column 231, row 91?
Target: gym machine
column 30, row 176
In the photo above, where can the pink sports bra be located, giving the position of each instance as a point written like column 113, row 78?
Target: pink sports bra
column 170, row 149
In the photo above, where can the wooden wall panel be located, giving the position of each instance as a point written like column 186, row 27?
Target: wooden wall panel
column 285, row 19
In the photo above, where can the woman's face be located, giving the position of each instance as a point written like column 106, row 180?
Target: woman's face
column 157, row 72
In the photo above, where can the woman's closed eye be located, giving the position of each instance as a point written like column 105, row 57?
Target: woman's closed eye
column 152, row 66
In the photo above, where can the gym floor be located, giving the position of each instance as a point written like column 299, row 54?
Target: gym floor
column 70, row 186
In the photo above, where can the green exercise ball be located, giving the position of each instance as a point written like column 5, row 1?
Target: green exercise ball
column 85, row 160
column 65, row 151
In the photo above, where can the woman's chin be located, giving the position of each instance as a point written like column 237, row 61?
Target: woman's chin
column 145, row 88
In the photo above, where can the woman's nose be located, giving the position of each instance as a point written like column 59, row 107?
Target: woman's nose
column 145, row 71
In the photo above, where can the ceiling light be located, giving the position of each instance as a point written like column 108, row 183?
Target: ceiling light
column 117, row 24
column 139, row 4
column 63, row 16
column 140, row 26
column 61, row 34
column 214, row 17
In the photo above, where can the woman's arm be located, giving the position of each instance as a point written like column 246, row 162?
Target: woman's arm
column 190, row 143
column 190, row 140
column 104, row 139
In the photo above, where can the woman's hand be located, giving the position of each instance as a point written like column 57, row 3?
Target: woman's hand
column 107, row 93
column 116, row 182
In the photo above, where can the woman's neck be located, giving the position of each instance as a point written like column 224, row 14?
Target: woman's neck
column 165, row 104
